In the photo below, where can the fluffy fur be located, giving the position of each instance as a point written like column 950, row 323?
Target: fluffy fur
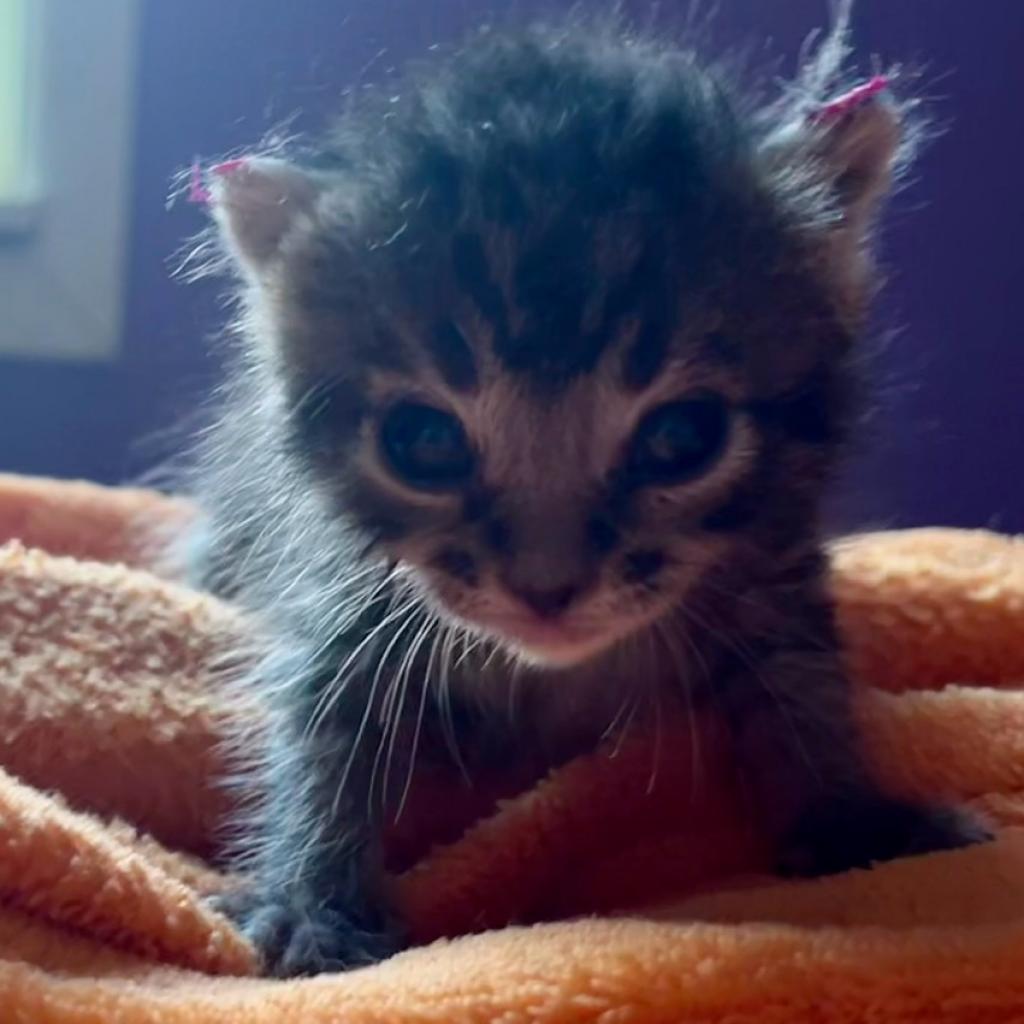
column 546, row 363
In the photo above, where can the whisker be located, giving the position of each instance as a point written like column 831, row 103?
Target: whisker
column 371, row 699
column 335, row 688
column 414, row 749
column 405, row 673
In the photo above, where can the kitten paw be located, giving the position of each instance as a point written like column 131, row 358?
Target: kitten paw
column 855, row 831
column 297, row 938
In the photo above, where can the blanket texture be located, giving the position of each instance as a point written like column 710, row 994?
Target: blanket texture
column 591, row 896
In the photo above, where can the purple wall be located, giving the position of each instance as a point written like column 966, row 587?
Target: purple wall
column 216, row 75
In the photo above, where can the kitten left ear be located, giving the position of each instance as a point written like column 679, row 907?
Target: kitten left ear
column 257, row 202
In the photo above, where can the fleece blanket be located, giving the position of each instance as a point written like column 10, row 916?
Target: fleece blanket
column 592, row 895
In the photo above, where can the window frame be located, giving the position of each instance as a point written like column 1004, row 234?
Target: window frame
column 19, row 65
column 63, row 228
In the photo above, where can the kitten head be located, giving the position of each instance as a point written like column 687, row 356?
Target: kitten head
column 562, row 325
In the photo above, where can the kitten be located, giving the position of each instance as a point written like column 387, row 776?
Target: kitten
column 546, row 362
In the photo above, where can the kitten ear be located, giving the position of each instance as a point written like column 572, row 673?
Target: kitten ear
column 257, row 202
column 846, row 153
column 857, row 144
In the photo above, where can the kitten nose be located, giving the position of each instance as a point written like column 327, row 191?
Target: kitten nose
column 548, row 601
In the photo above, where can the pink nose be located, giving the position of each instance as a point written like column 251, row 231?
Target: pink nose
column 548, row 602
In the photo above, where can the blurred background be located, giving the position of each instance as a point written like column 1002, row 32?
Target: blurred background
column 102, row 101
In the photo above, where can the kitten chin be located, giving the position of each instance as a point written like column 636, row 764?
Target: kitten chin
column 549, row 648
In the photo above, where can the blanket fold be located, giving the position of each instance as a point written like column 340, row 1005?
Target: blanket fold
column 634, row 901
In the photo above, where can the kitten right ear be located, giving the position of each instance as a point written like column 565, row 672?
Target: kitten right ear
column 257, row 202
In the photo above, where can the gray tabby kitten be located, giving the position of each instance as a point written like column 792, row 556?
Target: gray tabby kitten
column 546, row 362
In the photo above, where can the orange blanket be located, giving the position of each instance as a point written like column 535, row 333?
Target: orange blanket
column 652, row 914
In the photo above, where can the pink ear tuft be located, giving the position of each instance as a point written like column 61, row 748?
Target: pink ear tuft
column 229, row 167
column 849, row 101
column 197, row 190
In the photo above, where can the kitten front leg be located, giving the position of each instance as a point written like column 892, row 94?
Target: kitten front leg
column 800, row 761
column 314, row 900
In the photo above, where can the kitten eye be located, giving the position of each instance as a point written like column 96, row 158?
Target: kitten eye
column 426, row 447
column 679, row 440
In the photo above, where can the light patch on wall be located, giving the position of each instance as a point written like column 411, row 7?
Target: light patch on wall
column 67, row 102
column 14, row 112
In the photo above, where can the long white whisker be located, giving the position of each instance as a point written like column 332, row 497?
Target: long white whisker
column 445, row 699
column 414, row 750
column 336, row 687
column 405, row 673
column 352, row 608
column 368, row 710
